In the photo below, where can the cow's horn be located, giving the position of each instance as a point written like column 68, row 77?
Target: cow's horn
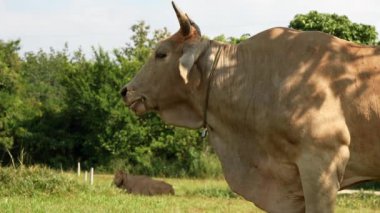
column 184, row 22
column 194, row 25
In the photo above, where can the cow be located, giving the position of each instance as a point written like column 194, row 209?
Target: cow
column 141, row 185
column 293, row 116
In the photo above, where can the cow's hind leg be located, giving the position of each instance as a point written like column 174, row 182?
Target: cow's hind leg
column 321, row 166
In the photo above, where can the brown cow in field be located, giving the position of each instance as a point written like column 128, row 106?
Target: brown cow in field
column 141, row 185
column 293, row 116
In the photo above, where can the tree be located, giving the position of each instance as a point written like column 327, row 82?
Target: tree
column 45, row 139
column 74, row 112
column 339, row 26
column 9, row 91
column 142, row 42
column 60, row 107
column 232, row 40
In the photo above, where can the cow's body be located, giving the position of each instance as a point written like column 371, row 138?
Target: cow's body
column 293, row 116
column 281, row 90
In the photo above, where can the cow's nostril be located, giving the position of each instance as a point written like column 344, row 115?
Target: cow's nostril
column 123, row 92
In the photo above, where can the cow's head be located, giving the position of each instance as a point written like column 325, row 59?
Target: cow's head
column 170, row 78
column 120, row 178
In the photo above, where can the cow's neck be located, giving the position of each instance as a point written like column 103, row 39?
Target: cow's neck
column 207, row 86
column 226, row 129
column 234, row 123
column 221, row 92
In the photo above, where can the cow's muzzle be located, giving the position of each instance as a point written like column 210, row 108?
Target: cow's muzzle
column 123, row 91
column 133, row 101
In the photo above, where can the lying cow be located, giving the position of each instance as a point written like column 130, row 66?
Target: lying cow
column 141, row 185
column 293, row 116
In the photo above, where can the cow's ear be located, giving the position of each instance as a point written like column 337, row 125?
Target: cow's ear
column 191, row 53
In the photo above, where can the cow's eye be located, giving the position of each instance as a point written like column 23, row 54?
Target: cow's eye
column 160, row 55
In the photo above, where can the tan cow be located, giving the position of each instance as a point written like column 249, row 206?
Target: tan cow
column 293, row 116
column 141, row 185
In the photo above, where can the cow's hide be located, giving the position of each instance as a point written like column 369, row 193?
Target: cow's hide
column 141, row 185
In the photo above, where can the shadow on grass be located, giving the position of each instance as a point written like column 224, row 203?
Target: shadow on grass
column 212, row 193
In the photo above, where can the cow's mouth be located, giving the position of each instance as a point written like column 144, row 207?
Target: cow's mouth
column 138, row 106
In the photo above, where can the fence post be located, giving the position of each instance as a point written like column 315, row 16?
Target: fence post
column 92, row 176
column 78, row 169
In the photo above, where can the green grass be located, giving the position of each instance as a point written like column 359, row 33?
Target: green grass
column 50, row 191
column 36, row 180
column 358, row 202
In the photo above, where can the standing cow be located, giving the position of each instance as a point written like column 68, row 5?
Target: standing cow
column 293, row 116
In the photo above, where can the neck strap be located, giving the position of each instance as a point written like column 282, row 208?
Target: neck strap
column 208, row 89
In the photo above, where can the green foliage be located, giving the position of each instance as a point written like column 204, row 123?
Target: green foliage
column 44, row 139
column 206, row 165
column 70, row 110
column 9, row 90
column 191, row 196
column 142, row 44
column 370, row 185
column 339, row 26
column 39, row 189
column 36, row 180
column 216, row 192
column 359, row 201
column 232, row 40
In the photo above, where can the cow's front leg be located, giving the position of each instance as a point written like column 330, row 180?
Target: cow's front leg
column 321, row 168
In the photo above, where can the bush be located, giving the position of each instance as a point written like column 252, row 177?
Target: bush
column 333, row 24
column 368, row 185
column 206, row 165
column 35, row 180
column 201, row 165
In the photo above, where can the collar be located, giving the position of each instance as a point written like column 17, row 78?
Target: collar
column 208, row 89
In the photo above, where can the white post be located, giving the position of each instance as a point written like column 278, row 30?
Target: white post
column 85, row 176
column 92, row 176
column 78, row 169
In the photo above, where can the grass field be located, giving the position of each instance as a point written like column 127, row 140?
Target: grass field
column 191, row 196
